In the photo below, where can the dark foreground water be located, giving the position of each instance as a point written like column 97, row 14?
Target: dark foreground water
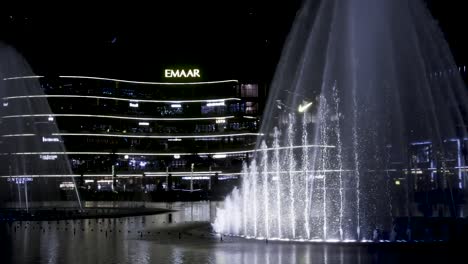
column 185, row 237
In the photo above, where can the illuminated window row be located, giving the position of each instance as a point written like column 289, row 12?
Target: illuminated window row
column 219, row 154
column 171, row 138
column 123, row 153
column 152, row 174
column 216, row 102
column 174, row 174
column 124, row 117
column 161, row 137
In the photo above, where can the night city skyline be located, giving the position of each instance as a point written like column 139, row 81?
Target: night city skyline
column 226, row 132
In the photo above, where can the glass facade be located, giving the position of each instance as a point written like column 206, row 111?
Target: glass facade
column 136, row 129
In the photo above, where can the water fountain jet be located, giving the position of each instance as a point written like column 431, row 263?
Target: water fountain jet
column 18, row 137
column 382, row 77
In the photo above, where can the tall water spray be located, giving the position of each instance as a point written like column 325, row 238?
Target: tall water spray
column 21, row 167
column 358, row 83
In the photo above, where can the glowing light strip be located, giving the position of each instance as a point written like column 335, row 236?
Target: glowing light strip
column 195, row 178
column 162, row 137
column 212, row 104
column 120, row 98
column 19, row 135
column 41, row 176
column 421, row 143
column 162, row 174
column 23, row 77
column 123, row 117
column 95, row 153
column 145, row 83
column 159, row 154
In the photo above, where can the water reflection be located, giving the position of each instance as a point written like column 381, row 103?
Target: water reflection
column 179, row 237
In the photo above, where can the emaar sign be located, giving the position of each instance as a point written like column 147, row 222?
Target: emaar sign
column 192, row 73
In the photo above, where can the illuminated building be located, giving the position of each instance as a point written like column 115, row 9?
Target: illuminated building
column 134, row 129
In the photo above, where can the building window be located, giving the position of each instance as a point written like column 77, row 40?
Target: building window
column 234, row 108
column 250, row 108
column 234, row 126
column 108, row 91
column 213, row 110
column 128, row 92
column 178, row 163
column 205, row 128
column 249, row 90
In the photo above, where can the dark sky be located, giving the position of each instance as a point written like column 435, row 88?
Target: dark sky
column 234, row 40
column 453, row 20
column 226, row 41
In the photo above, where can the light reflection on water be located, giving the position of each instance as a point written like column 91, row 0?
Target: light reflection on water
column 152, row 239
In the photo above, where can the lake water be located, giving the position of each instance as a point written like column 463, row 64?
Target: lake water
column 183, row 236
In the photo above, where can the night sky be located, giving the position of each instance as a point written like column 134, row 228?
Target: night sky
column 234, row 40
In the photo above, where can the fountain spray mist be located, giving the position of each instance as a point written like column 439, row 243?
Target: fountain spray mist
column 379, row 76
column 21, row 136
